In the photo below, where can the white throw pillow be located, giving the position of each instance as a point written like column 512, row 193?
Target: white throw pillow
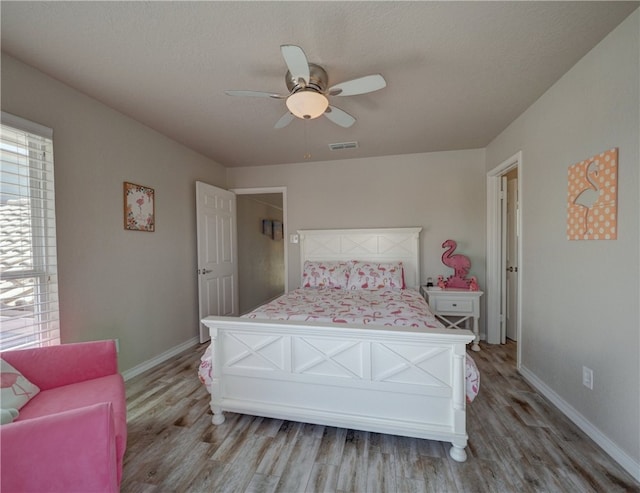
column 16, row 390
column 8, row 415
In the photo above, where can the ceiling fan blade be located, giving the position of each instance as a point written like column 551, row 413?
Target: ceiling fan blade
column 339, row 117
column 362, row 85
column 255, row 94
column 296, row 61
column 284, row 121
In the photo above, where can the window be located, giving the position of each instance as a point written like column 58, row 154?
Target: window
column 28, row 268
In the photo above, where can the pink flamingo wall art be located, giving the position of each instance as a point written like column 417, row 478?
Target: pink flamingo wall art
column 460, row 265
column 589, row 196
column 592, row 198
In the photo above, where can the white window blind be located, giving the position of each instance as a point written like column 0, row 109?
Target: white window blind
column 28, row 267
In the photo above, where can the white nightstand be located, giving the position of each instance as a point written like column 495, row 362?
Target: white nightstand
column 459, row 303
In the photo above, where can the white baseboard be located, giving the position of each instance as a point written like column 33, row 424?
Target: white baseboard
column 161, row 358
column 616, row 453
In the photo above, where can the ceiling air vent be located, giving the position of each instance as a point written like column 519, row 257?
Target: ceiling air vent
column 338, row 146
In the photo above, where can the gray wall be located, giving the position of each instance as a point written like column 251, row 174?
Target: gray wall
column 135, row 286
column 444, row 192
column 260, row 258
column 580, row 298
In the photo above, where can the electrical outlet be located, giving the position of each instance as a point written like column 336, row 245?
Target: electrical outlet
column 294, row 238
column 587, row 377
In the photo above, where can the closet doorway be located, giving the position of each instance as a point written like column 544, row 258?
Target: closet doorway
column 504, row 246
column 262, row 265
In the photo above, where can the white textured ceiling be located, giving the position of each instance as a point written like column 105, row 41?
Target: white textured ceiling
column 457, row 72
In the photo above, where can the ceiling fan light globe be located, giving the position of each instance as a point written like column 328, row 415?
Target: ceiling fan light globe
column 307, row 104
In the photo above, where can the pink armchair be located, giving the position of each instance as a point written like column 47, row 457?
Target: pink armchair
column 70, row 437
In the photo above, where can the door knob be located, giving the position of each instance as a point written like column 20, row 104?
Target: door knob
column 512, row 269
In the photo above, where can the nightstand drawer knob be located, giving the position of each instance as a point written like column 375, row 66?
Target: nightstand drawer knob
column 457, row 306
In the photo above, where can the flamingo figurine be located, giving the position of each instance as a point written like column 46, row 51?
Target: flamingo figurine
column 473, row 284
column 459, row 263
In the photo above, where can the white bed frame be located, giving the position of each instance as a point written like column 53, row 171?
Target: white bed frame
column 401, row 381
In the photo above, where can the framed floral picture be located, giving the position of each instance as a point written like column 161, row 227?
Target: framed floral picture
column 139, row 208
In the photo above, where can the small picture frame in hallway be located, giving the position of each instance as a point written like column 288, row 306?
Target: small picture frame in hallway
column 277, row 230
column 267, row 227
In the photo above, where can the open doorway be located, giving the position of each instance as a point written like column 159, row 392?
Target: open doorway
column 262, row 245
column 504, row 246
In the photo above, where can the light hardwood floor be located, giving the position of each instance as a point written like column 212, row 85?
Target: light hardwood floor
column 518, row 442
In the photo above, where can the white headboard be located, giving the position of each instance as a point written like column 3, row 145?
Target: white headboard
column 375, row 245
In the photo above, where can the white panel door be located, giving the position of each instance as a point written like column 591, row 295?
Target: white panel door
column 217, row 253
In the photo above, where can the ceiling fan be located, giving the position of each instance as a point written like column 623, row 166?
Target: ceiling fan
column 308, row 92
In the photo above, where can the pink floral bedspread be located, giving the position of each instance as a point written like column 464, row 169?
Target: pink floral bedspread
column 404, row 308
column 393, row 307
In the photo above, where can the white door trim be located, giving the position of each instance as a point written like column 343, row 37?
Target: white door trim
column 503, row 259
column 512, row 237
column 283, row 191
column 494, row 241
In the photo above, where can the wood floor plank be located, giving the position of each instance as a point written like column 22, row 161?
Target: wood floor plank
column 276, row 458
column 323, row 478
column 262, row 483
column 303, row 457
column 438, row 475
column 269, row 427
column 518, row 442
column 186, row 455
column 243, row 464
column 232, row 446
column 209, row 478
column 409, row 485
column 381, row 472
column 332, row 446
column 407, row 459
column 353, row 471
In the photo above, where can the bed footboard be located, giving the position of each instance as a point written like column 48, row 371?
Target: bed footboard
column 401, row 381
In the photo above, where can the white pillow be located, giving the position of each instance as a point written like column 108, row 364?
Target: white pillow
column 16, row 390
column 8, row 415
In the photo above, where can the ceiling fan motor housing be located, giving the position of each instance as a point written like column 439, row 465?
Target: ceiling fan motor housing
column 318, row 80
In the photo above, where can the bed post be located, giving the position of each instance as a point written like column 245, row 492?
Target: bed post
column 457, row 451
column 216, row 371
